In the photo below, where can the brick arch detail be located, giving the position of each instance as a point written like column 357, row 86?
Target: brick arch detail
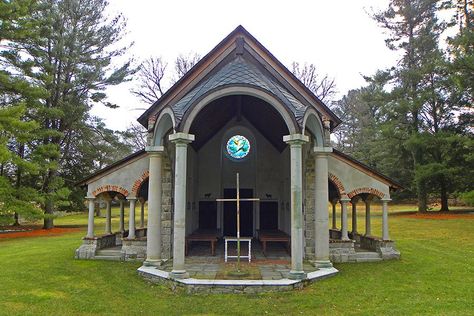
column 108, row 188
column 338, row 183
column 372, row 191
column 138, row 183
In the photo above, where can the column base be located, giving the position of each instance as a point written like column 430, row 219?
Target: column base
column 296, row 275
column 153, row 263
column 179, row 274
column 322, row 264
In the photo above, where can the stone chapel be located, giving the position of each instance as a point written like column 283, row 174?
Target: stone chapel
column 239, row 110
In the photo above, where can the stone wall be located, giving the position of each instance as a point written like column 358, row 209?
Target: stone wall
column 167, row 208
column 309, row 199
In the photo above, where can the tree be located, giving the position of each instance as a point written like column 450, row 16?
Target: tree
column 323, row 87
column 414, row 30
column 150, row 78
column 71, row 60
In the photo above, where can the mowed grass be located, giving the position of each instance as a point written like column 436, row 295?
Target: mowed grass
column 39, row 276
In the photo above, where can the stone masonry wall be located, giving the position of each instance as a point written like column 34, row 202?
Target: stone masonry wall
column 309, row 207
column 167, row 210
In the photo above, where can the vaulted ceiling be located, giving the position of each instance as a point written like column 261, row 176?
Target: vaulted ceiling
column 259, row 113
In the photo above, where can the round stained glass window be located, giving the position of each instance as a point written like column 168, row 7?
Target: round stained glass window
column 238, row 146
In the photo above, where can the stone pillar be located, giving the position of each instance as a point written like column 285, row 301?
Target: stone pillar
column 131, row 219
column 181, row 141
column 354, row 218
column 142, row 213
column 122, row 217
column 108, row 217
column 334, row 219
column 153, row 246
column 367, row 218
column 90, row 221
column 296, row 142
column 385, row 235
column 344, row 235
column 321, row 216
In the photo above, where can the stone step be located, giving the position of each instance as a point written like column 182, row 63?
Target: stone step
column 368, row 259
column 111, row 258
column 109, row 252
column 367, row 256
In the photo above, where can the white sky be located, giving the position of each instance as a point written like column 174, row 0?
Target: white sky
column 338, row 37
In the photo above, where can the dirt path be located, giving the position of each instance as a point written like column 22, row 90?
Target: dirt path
column 34, row 231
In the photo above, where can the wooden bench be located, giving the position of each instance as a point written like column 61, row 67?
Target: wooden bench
column 202, row 235
column 276, row 235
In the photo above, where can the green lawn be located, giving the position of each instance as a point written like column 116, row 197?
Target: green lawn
column 38, row 276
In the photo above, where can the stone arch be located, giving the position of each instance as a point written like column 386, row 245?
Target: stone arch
column 138, row 183
column 164, row 123
column 372, row 191
column 338, row 184
column 312, row 122
column 108, row 188
column 215, row 94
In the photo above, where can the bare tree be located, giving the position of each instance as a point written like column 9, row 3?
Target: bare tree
column 184, row 63
column 323, row 87
column 151, row 73
column 135, row 136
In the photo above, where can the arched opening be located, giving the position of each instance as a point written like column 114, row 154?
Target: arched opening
column 163, row 126
column 263, row 171
column 312, row 124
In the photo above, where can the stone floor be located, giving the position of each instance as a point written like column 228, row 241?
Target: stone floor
column 275, row 265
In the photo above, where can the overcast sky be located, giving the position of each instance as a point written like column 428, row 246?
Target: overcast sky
column 339, row 37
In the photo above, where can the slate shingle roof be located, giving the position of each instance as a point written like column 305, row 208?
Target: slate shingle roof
column 239, row 72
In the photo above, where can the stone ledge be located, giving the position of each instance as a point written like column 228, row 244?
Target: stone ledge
column 191, row 285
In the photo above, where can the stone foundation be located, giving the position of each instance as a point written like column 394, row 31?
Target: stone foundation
column 342, row 251
column 192, row 286
column 90, row 246
column 134, row 249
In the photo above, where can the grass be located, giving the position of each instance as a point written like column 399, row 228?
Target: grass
column 38, row 276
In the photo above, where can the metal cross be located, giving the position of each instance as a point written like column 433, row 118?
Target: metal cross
column 238, row 199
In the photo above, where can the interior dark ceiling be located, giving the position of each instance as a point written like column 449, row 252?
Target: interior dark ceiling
column 259, row 113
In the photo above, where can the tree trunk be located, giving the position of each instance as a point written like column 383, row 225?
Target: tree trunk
column 17, row 219
column 444, row 197
column 48, row 215
column 422, row 198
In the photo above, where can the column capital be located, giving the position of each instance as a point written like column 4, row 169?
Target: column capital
column 295, row 139
column 385, row 200
column 154, row 150
column 318, row 150
column 345, row 200
column 90, row 197
column 181, row 138
column 131, row 198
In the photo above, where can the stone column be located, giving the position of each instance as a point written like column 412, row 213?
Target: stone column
column 181, row 141
column 385, row 235
column 153, row 246
column 142, row 213
column 344, row 235
column 367, row 218
column 354, row 218
column 321, row 216
column 131, row 219
column 122, row 217
column 296, row 142
column 108, row 217
column 334, row 219
column 90, row 221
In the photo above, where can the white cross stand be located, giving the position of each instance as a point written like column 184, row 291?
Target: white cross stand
column 238, row 238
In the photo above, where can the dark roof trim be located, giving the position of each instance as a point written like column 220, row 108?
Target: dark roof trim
column 109, row 167
column 393, row 184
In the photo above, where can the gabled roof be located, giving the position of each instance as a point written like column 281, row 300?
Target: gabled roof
column 239, row 59
column 112, row 167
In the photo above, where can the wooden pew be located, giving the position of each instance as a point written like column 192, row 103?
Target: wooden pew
column 276, row 235
column 203, row 235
